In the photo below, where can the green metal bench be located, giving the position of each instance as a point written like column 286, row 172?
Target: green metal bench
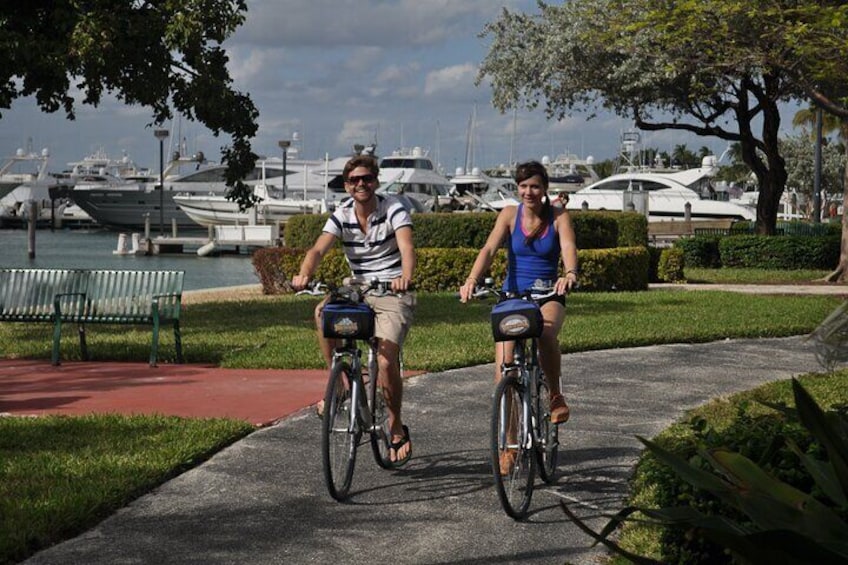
column 93, row 296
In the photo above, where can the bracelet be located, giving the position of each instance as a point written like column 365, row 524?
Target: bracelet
column 571, row 272
column 471, row 279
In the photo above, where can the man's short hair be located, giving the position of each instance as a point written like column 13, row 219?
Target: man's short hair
column 367, row 161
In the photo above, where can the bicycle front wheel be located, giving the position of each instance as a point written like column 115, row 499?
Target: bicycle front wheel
column 513, row 462
column 339, row 435
column 381, row 436
column 547, row 450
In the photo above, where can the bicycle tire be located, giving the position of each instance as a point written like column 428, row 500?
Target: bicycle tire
column 338, row 441
column 381, row 436
column 547, row 451
column 515, row 489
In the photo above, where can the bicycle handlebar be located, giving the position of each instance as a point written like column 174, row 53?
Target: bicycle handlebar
column 375, row 287
column 539, row 291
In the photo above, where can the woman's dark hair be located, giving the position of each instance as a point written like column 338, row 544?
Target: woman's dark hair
column 528, row 170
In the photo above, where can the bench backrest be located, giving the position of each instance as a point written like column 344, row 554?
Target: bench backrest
column 130, row 293
column 30, row 293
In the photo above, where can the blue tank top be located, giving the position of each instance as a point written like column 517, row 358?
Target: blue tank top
column 538, row 260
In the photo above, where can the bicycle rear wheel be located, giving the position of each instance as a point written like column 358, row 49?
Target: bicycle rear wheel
column 512, row 449
column 547, row 451
column 338, row 440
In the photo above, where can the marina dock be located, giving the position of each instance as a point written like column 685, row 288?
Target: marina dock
column 219, row 240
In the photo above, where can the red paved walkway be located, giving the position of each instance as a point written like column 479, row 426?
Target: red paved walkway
column 257, row 396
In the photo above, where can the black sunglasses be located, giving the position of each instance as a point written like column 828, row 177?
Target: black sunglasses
column 367, row 179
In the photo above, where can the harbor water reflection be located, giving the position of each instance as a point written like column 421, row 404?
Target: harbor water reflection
column 89, row 249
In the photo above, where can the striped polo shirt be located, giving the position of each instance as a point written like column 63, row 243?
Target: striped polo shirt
column 373, row 253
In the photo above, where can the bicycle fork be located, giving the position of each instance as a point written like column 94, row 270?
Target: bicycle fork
column 360, row 419
column 523, row 435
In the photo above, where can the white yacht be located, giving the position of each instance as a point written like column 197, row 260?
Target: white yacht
column 477, row 191
column 412, row 173
column 22, row 167
column 24, row 181
column 568, row 173
column 661, row 196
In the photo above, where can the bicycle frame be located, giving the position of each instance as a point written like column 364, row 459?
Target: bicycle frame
column 361, row 419
column 524, row 367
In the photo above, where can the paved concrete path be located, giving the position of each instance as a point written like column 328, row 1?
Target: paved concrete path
column 263, row 500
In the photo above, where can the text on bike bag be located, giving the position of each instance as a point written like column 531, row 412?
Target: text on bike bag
column 347, row 320
column 515, row 318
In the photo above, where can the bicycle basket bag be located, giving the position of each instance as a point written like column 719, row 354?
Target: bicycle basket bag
column 515, row 318
column 347, row 320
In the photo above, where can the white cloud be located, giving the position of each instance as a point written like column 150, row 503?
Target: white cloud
column 450, row 80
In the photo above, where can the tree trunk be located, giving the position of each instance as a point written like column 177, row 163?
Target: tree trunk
column 841, row 272
column 768, row 203
column 763, row 158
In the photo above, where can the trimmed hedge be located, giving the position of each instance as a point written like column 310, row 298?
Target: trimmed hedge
column 780, row 252
column 700, row 251
column 593, row 230
column 760, row 251
column 622, row 268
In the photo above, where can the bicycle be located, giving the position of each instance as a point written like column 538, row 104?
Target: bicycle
column 521, row 428
column 353, row 405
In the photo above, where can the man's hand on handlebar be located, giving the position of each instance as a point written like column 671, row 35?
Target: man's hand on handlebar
column 299, row 282
column 401, row 284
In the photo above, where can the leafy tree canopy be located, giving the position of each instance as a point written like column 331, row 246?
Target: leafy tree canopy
column 711, row 67
column 163, row 54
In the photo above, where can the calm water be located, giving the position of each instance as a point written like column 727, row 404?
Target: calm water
column 83, row 249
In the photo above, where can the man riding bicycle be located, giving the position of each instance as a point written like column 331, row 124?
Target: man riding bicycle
column 376, row 235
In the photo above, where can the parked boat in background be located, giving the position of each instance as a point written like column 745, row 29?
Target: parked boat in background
column 411, row 173
column 27, row 185
column 661, row 196
column 21, row 168
column 568, row 173
column 271, row 208
column 129, row 207
column 477, row 191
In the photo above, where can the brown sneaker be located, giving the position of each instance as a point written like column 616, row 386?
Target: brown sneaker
column 507, row 460
column 559, row 410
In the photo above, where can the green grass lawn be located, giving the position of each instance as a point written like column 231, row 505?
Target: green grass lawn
column 61, row 475
column 753, row 276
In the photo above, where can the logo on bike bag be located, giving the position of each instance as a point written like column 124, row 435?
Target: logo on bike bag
column 514, row 325
column 345, row 327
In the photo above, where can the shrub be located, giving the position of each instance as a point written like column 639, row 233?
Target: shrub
column 670, row 265
column 780, row 252
column 700, row 251
column 593, row 230
column 770, row 489
column 446, row 269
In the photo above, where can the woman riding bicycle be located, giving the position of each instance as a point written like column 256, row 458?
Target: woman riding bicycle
column 537, row 235
column 376, row 235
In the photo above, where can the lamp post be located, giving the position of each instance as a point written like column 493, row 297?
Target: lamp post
column 161, row 135
column 284, row 145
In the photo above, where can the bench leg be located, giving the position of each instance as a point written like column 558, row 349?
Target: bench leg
column 83, row 344
column 154, row 346
column 178, row 343
column 57, row 337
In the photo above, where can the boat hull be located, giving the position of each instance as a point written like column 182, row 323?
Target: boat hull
column 126, row 210
column 218, row 211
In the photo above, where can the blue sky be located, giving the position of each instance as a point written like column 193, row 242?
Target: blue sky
column 339, row 72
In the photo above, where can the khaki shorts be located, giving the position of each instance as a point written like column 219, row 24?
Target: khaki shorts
column 393, row 315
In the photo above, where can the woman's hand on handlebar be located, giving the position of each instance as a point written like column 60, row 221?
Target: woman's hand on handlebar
column 466, row 291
